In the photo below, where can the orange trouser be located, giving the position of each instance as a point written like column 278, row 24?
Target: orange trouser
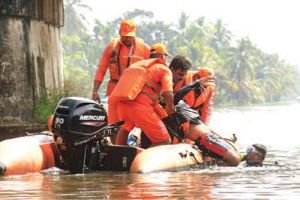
column 112, row 113
column 136, row 114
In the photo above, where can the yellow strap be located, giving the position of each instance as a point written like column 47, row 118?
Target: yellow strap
column 150, row 96
column 115, row 44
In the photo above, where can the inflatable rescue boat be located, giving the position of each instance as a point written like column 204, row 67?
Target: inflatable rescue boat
column 80, row 129
column 174, row 157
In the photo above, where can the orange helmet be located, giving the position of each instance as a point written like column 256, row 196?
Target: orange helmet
column 159, row 48
column 204, row 72
column 127, row 28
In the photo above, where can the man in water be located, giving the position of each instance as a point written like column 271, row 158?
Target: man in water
column 255, row 155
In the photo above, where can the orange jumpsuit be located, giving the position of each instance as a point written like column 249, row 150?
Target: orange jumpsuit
column 198, row 98
column 187, row 80
column 202, row 102
column 116, row 57
column 140, row 111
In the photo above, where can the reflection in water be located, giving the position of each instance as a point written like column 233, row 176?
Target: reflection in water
column 173, row 185
column 268, row 125
column 26, row 186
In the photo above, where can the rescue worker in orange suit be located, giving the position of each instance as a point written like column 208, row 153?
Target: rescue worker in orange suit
column 117, row 56
column 179, row 67
column 200, row 95
column 140, row 112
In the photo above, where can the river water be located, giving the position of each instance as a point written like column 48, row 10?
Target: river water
column 275, row 126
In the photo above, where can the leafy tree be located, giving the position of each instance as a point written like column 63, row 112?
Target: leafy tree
column 221, row 39
column 240, row 69
column 274, row 76
column 74, row 20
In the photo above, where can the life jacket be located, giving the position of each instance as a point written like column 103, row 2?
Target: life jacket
column 135, row 54
column 134, row 79
column 186, row 80
column 195, row 99
column 202, row 101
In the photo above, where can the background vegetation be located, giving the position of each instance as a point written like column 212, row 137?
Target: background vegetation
column 245, row 74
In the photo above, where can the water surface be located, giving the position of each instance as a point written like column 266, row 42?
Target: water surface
column 275, row 126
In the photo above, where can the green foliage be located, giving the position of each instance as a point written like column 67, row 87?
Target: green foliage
column 43, row 109
column 46, row 105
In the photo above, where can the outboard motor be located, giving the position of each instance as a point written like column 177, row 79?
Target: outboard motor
column 77, row 118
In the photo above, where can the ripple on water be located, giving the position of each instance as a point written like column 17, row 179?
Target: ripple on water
column 264, row 125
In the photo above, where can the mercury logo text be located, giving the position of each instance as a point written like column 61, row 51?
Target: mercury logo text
column 92, row 117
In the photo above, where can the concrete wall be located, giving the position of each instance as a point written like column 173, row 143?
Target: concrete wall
column 30, row 62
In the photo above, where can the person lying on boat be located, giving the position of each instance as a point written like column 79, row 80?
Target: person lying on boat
column 198, row 100
column 255, row 155
column 211, row 143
